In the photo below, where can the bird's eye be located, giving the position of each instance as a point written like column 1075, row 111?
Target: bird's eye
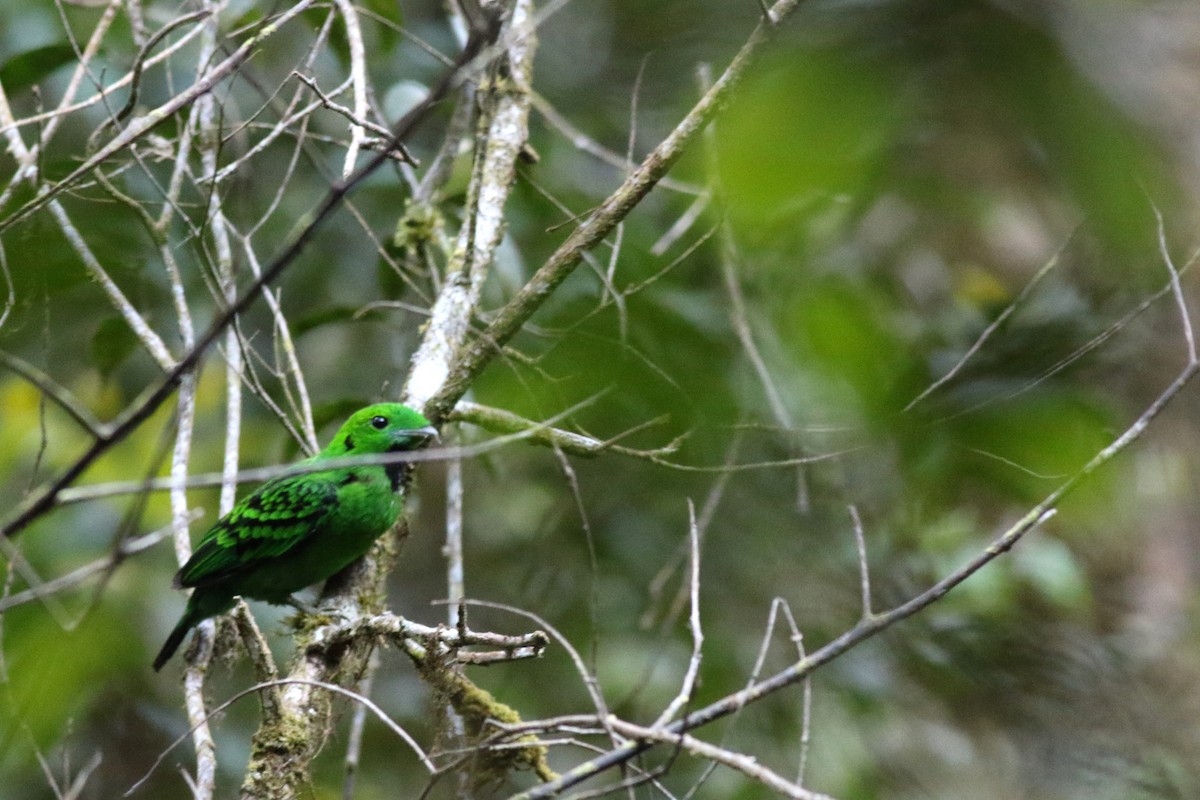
column 379, row 423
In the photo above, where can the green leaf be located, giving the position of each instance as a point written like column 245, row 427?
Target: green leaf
column 31, row 67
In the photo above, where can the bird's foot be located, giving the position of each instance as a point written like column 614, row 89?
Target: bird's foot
column 299, row 605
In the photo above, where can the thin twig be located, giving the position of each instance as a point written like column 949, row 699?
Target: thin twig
column 688, row 686
column 1185, row 316
column 594, row 574
column 358, row 77
column 357, row 119
column 455, row 573
column 358, row 723
column 329, row 687
column 501, row 421
column 40, row 501
column 125, row 549
column 585, row 143
column 61, row 396
column 142, row 125
column 868, row 628
column 864, row 570
column 747, row 765
column 8, row 124
column 137, row 323
column 588, row 678
column 992, row 327
column 503, row 130
column 10, row 298
column 202, row 480
column 599, row 224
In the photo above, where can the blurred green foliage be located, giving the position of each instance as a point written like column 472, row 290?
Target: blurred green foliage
column 893, row 176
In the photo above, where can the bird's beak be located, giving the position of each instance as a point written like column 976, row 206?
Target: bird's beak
column 422, row 435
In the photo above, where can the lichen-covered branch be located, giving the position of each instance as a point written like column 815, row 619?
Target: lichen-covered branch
column 589, row 233
column 282, row 751
column 503, row 97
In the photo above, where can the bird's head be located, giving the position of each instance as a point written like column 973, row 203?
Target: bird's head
column 381, row 428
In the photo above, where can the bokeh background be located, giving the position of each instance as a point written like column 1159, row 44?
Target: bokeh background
column 892, row 176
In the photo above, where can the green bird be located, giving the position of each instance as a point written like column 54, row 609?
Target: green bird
column 299, row 529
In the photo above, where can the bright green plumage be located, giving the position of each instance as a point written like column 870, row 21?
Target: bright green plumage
column 300, row 529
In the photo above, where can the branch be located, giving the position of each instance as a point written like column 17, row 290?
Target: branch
column 689, row 679
column 387, row 624
column 43, row 499
column 874, row 624
column 503, row 130
column 284, row 682
column 124, row 550
column 509, row 319
column 500, row 421
column 358, row 121
column 142, row 125
column 281, row 754
column 61, row 396
column 747, row 765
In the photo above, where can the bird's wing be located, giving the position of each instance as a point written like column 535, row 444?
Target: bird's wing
column 266, row 524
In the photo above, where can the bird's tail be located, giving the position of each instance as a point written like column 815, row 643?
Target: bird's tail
column 173, row 641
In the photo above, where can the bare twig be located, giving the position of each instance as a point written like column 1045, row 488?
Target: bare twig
column 501, row 421
column 1185, row 317
column 681, row 225
column 150, row 340
column 588, row 678
column 598, row 224
column 40, row 501
column 66, row 107
column 693, row 669
column 125, row 549
column 869, row 627
column 992, row 327
column 358, row 76
column 588, row 145
column 357, row 119
column 589, row 539
column 10, row 298
column 389, row 625
column 61, row 396
column 864, row 570
column 96, row 491
column 779, row 607
column 283, row 682
column 455, row 573
column 199, row 654
column 358, row 723
column 142, row 125
column 747, row 765
column 1089, row 346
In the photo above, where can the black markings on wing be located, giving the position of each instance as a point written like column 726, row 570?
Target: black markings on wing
column 278, row 516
